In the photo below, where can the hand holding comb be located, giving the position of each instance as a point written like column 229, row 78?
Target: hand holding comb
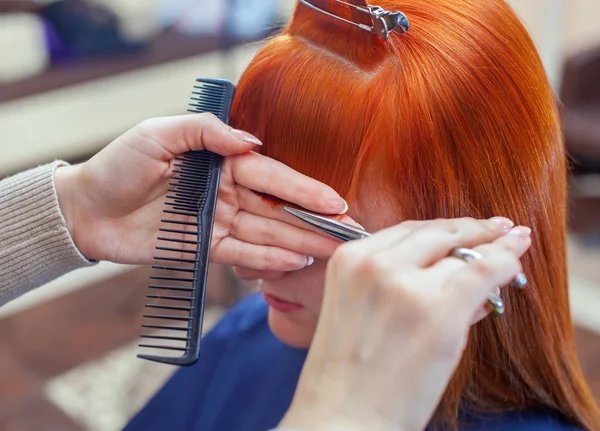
column 178, row 291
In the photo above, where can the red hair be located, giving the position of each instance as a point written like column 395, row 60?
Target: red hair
column 455, row 118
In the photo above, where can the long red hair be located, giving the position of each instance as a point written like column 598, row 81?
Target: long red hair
column 455, row 118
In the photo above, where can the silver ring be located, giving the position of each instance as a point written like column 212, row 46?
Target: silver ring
column 497, row 305
column 466, row 254
column 520, row 281
column 494, row 301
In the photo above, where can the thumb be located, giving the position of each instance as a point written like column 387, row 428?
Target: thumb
column 204, row 131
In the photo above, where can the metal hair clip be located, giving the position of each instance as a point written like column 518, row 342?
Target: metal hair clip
column 382, row 22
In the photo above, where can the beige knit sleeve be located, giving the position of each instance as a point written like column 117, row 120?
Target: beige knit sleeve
column 35, row 245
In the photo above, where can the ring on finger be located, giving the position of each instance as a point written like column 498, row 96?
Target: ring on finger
column 469, row 255
column 520, row 281
column 466, row 254
column 494, row 301
column 496, row 304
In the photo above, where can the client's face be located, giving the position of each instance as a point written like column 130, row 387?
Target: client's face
column 294, row 321
column 295, row 300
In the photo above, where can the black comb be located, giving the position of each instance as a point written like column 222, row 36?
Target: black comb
column 179, row 288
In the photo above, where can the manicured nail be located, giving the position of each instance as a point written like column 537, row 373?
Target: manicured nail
column 246, row 137
column 345, row 210
column 503, row 222
column 522, row 232
column 309, row 260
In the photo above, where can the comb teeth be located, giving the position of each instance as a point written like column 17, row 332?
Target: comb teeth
column 163, row 317
column 211, row 96
column 172, row 298
column 170, row 328
column 178, row 288
column 151, row 346
column 173, row 288
column 162, row 337
column 169, row 307
column 174, row 259
column 174, row 269
column 180, row 222
column 180, row 213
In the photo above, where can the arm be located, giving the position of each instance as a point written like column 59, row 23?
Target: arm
column 35, row 245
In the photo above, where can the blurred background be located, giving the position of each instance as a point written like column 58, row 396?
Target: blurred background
column 75, row 74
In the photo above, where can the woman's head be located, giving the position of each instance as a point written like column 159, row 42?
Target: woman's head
column 455, row 118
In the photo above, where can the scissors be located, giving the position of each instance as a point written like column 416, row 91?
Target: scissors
column 337, row 229
column 346, row 232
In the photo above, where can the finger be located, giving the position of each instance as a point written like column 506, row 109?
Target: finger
column 232, row 252
column 253, row 274
column 265, row 175
column 470, row 286
column 444, row 270
column 258, row 230
column 180, row 134
column 255, row 204
column 486, row 309
column 429, row 243
column 517, row 241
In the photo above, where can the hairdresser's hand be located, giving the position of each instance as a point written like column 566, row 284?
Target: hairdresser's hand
column 113, row 203
column 394, row 322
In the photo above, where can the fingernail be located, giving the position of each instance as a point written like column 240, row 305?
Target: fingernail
column 246, row 137
column 309, row 260
column 352, row 222
column 503, row 222
column 522, row 232
column 345, row 210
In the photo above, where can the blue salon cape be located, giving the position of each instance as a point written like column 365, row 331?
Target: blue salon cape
column 245, row 381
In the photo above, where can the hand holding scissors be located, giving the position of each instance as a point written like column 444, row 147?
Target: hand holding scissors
column 395, row 317
column 346, row 232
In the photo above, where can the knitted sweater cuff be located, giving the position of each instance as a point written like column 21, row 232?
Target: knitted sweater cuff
column 35, row 244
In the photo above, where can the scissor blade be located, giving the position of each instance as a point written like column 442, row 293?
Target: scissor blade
column 339, row 230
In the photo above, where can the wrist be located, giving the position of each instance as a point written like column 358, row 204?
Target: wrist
column 307, row 422
column 332, row 413
column 311, row 424
column 304, row 418
column 65, row 178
